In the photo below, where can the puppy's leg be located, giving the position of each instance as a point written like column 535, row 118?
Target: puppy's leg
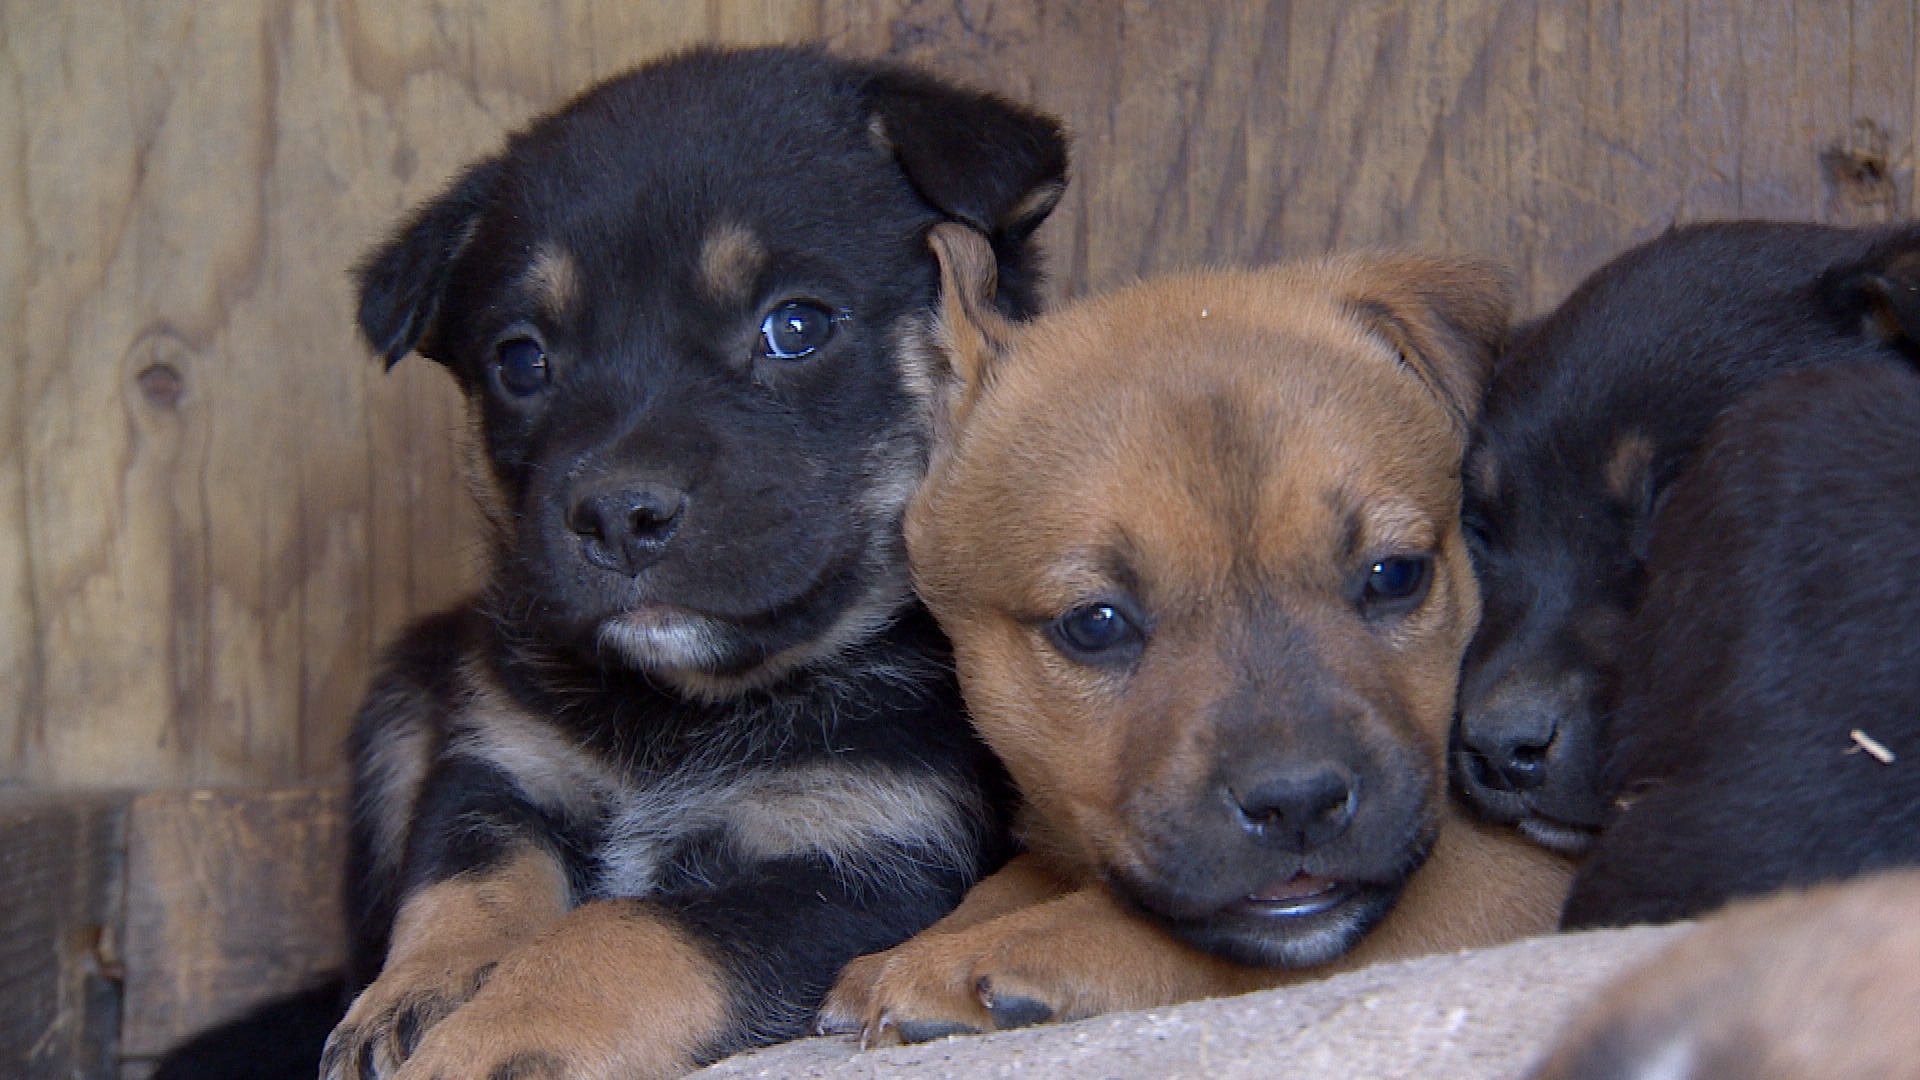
column 1070, row 957
column 447, row 940
column 1022, row 883
column 617, row 989
column 642, row 990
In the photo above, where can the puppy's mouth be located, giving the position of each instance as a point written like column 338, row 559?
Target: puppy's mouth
column 1298, row 897
column 1558, row 835
column 1303, row 922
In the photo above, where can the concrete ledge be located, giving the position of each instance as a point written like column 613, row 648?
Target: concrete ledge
column 1475, row 1015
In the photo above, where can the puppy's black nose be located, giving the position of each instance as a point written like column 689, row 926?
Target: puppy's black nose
column 1507, row 751
column 1298, row 808
column 627, row 530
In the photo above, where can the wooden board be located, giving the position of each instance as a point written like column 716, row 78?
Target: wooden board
column 232, row 898
column 213, row 507
column 61, row 859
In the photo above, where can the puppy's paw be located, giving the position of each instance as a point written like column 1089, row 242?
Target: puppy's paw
column 914, row 992
column 1066, row 959
column 510, row 1037
column 391, row 1017
column 614, row 991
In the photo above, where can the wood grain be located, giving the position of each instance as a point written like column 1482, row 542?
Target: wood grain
column 232, row 898
column 61, row 858
column 214, row 507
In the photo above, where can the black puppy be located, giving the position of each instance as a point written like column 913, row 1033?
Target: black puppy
column 695, row 746
column 1768, row 728
column 1593, row 411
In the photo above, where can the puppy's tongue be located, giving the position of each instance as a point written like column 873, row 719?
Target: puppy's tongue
column 1298, row 887
column 1299, row 895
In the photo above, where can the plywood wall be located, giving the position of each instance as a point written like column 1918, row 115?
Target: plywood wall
column 213, row 506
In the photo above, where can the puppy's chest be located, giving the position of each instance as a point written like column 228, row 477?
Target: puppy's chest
column 655, row 833
column 701, row 827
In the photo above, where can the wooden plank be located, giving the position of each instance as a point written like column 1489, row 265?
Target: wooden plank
column 213, row 505
column 231, row 898
column 59, row 930
column 1548, row 134
column 214, row 508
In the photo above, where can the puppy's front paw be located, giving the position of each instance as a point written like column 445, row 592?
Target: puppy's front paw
column 614, row 991
column 1066, row 959
column 513, row 1037
column 913, row 992
column 390, row 1017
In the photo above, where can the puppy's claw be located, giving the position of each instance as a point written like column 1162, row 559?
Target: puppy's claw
column 836, row 1023
column 919, row 1031
column 1011, row 1010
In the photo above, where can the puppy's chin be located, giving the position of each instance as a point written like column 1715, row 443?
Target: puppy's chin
column 1295, row 932
column 661, row 641
column 713, row 659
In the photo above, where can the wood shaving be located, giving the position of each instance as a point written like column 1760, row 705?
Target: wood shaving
column 1874, row 747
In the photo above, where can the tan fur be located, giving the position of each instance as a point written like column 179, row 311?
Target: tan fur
column 841, row 813
column 730, row 262
column 395, row 769
column 1626, row 470
column 553, row 282
column 1250, row 440
column 447, row 940
column 550, row 772
column 1822, row 984
column 611, row 992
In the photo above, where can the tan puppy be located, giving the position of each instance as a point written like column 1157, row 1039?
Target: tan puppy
column 1803, row 985
column 1196, row 543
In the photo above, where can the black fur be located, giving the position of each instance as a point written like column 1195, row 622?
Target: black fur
column 1652, row 348
column 1783, row 614
column 760, row 624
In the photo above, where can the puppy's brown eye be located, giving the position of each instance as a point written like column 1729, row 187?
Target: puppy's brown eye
column 796, row 329
column 1396, row 585
column 522, row 366
column 1096, row 634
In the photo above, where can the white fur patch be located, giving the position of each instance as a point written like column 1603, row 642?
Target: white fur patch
column 665, row 644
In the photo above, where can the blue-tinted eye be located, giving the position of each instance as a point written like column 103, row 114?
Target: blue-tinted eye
column 523, row 366
column 795, row 329
column 1397, row 584
column 1086, row 633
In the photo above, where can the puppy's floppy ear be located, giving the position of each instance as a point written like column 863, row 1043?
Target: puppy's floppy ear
column 1882, row 295
column 402, row 280
column 978, row 158
column 1446, row 316
column 971, row 335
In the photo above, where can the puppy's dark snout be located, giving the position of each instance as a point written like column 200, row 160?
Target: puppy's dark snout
column 1297, row 808
column 1507, row 750
column 627, row 529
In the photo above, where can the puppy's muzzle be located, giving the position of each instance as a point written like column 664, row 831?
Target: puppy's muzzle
column 625, row 528
column 1528, row 758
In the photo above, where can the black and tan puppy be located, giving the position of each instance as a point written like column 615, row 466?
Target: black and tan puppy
column 1593, row 411
column 1768, row 726
column 695, row 746
column 1196, row 543
column 1820, row 985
